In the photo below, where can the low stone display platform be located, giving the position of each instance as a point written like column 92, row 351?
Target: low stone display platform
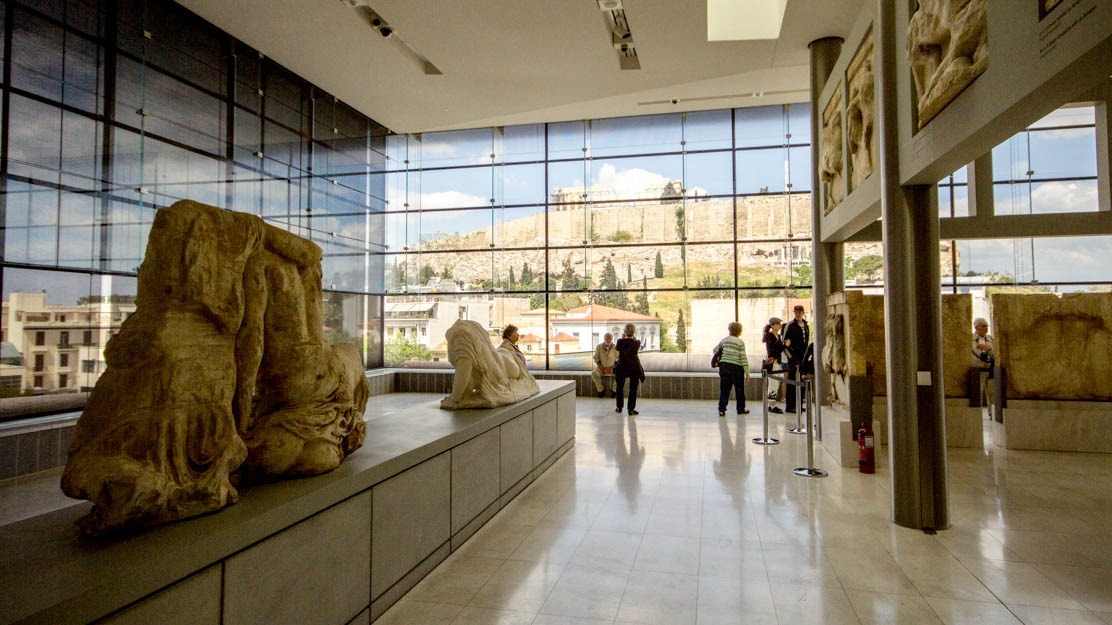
column 964, row 423
column 1050, row 425
column 339, row 548
column 840, row 440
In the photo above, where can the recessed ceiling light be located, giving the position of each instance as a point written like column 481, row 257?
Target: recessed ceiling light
column 733, row 20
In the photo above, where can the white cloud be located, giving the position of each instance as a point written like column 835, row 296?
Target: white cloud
column 1064, row 197
column 451, row 199
column 628, row 182
column 436, row 148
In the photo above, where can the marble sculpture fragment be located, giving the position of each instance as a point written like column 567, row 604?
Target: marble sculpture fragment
column 485, row 377
column 947, row 47
column 221, row 377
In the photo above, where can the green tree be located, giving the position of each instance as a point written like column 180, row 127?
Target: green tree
column 658, row 270
column 334, row 311
column 629, row 274
column 400, row 349
column 427, row 272
column 511, row 281
column 569, row 280
column 681, row 333
column 803, row 275
column 609, row 278
column 666, row 344
column 446, row 273
column 868, row 267
column 526, row 274
column 681, row 223
column 641, row 303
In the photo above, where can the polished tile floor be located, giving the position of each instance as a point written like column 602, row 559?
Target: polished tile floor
column 674, row 517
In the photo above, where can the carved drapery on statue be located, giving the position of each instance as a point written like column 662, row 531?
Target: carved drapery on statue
column 485, row 377
column 221, row 376
column 861, row 113
column 947, row 46
column 831, row 159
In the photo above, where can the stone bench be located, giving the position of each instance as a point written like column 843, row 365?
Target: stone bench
column 338, row 548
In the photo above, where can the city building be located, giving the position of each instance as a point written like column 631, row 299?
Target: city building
column 62, row 347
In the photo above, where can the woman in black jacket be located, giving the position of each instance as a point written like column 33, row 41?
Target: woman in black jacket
column 628, row 366
column 774, row 347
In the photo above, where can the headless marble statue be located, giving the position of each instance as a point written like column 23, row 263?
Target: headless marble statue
column 221, row 376
column 485, row 377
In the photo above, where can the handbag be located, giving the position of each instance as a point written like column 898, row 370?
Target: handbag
column 714, row 360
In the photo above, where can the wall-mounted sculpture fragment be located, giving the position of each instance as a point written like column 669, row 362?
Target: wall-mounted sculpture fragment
column 861, row 113
column 831, row 161
column 947, row 47
column 485, row 377
column 221, row 376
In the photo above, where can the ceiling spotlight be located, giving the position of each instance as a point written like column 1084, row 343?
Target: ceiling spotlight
column 609, row 5
column 381, row 26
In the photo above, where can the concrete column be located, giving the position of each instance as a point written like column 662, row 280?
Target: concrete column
column 912, row 309
column 826, row 257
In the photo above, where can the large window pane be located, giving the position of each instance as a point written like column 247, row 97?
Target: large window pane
column 709, row 173
column 656, row 178
column 567, row 140
column 1073, row 259
column 707, row 130
column 762, row 171
column 636, row 135
column 523, row 143
column 1064, row 153
column 54, row 63
column 520, row 184
column 455, row 148
column 75, row 314
column 761, row 126
column 457, row 188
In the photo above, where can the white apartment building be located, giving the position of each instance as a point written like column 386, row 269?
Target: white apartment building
column 62, row 346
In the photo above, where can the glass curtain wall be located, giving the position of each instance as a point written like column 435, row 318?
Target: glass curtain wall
column 112, row 110
column 676, row 223
column 1049, row 168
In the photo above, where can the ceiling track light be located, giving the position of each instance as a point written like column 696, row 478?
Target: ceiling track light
column 621, row 35
column 383, row 28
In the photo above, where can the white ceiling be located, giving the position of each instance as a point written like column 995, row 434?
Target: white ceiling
column 524, row 61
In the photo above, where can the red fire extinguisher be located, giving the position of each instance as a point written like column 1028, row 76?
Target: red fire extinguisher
column 866, row 460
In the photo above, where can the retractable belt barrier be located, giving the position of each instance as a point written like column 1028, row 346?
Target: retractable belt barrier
column 803, row 403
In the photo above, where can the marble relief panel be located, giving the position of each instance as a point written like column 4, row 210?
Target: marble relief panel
column 1054, row 346
column 831, row 161
column 947, row 47
column 861, row 113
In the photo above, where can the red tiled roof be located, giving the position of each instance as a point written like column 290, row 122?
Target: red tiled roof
column 564, row 337
column 598, row 312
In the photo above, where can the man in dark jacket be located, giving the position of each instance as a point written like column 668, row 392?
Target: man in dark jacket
column 797, row 335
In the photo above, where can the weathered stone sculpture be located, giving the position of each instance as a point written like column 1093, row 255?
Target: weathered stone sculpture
column 485, row 377
column 831, row 161
column 860, row 113
column 223, row 364
column 834, row 355
column 1054, row 347
column 947, row 46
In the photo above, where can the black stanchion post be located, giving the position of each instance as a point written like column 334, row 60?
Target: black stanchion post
column 810, row 470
